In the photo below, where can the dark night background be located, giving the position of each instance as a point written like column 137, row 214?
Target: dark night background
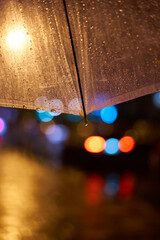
column 58, row 190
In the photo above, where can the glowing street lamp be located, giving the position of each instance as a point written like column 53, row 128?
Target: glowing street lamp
column 16, row 39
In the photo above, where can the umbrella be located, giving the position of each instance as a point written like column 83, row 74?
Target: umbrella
column 78, row 56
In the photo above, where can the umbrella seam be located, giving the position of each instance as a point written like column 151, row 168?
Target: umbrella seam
column 76, row 64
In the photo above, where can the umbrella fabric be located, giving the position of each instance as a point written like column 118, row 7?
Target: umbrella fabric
column 116, row 45
column 39, row 72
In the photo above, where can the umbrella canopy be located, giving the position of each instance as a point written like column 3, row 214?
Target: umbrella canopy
column 76, row 56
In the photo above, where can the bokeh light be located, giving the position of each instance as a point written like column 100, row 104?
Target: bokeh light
column 94, row 116
column 42, row 103
column 144, row 131
column 74, row 118
column 126, row 144
column 95, row 144
column 112, row 146
column 57, row 133
column 56, row 104
column 156, row 99
column 132, row 133
column 94, row 189
column 2, row 126
column 44, row 126
column 109, row 114
column 44, row 116
column 75, row 104
column 126, row 186
column 54, row 114
column 112, row 184
column 96, row 113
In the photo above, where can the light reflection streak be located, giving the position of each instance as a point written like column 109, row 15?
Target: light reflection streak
column 23, row 202
column 94, row 190
column 17, row 187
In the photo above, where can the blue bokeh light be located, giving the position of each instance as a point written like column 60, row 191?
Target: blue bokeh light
column 44, row 116
column 109, row 114
column 94, row 116
column 74, row 118
column 112, row 185
column 156, row 99
column 57, row 133
column 112, row 146
column 96, row 113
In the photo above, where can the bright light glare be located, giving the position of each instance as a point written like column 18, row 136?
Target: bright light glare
column 112, row 147
column 95, row 144
column 126, row 144
column 109, row 114
column 16, row 39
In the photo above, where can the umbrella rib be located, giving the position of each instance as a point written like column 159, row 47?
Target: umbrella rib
column 76, row 64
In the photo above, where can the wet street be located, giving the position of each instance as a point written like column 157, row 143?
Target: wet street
column 39, row 203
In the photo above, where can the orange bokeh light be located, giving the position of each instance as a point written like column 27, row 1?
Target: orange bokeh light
column 126, row 144
column 95, row 144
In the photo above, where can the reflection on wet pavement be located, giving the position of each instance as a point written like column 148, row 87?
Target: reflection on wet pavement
column 38, row 203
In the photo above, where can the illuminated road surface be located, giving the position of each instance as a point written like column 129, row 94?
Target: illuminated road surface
column 37, row 203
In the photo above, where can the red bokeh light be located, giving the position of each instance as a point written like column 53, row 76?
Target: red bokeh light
column 126, row 186
column 126, row 144
column 94, row 190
